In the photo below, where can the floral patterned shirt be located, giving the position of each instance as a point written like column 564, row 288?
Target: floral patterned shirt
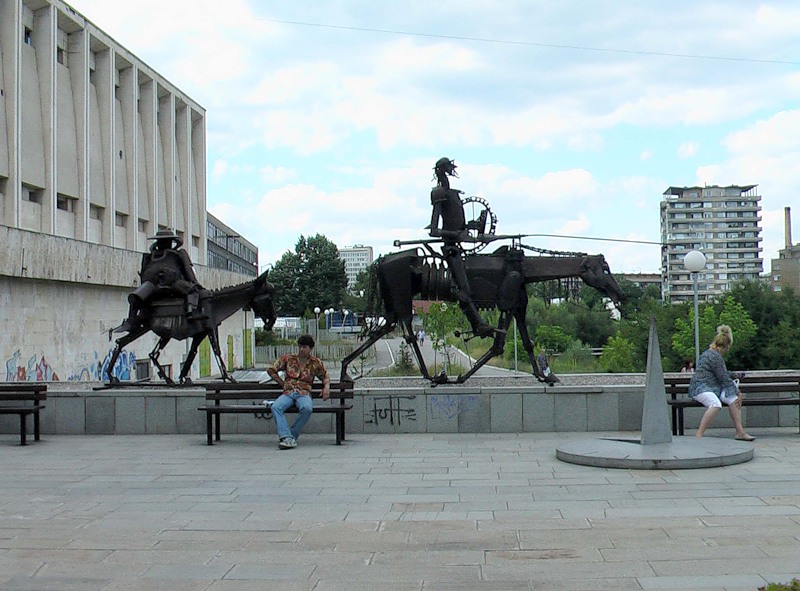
column 299, row 378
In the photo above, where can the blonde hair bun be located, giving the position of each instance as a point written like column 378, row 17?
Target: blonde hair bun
column 724, row 338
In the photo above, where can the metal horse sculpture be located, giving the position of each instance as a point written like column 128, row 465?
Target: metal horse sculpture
column 497, row 281
column 169, row 320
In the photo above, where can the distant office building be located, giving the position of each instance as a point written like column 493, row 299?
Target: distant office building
column 356, row 259
column 724, row 223
column 785, row 270
column 228, row 250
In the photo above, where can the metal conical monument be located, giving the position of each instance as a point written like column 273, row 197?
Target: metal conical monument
column 655, row 414
column 656, row 449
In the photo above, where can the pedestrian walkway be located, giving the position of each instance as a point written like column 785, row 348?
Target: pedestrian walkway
column 387, row 513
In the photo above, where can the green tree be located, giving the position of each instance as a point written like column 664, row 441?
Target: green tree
column 710, row 316
column 313, row 275
column 442, row 320
column 619, row 355
column 552, row 338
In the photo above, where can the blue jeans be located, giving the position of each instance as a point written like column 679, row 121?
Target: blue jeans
column 304, row 409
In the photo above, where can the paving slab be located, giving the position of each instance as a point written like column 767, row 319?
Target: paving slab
column 393, row 512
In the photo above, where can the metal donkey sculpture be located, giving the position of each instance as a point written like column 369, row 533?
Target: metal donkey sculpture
column 497, row 280
column 169, row 318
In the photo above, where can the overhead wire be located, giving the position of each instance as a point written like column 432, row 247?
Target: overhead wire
column 530, row 43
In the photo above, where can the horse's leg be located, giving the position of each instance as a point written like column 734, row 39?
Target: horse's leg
column 527, row 344
column 122, row 342
column 187, row 365
column 496, row 349
column 411, row 339
column 155, row 353
column 373, row 338
column 213, row 336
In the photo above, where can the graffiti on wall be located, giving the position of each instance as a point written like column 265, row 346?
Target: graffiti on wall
column 449, row 406
column 37, row 369
column 95, row 371
column 391, row 408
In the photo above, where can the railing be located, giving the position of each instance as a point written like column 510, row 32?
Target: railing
column 265, row 355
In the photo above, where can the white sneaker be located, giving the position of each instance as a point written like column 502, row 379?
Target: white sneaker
column 287, row 443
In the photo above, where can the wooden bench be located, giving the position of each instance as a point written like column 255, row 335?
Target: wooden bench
column 758, row 390
column 216, row 394
column 23, row 399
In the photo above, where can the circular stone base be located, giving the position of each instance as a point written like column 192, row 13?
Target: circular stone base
column 680, row 453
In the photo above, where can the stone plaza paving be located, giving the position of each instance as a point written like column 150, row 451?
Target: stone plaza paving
column 387, row 512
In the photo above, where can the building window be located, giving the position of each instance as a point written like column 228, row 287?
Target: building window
column 142, row 225
column 65, row 203
column 27, row 36
column 31, row 194
column 96, row 212
column 60, row 55
column 121, row 220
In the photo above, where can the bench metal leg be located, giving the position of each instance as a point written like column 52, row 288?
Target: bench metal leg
column 22, row 429
column 339, row 428
column 36, row 425
column 208, row 428
column 217, row 422
column 680, row 421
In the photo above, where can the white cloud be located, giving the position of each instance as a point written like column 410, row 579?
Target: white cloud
column 688, row 149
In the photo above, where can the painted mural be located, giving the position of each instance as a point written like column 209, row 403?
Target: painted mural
column 36, row 368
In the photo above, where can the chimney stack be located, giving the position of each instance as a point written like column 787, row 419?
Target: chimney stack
column 788, row 226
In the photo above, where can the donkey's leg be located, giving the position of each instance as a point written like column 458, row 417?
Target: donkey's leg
column 213, row 336
column 154, row 354
column 187, row 365
column 122, row 342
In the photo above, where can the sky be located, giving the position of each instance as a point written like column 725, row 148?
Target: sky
column 569, row 118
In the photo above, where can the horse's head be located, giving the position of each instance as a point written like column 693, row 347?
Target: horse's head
column 596, row 273
column 262, row 304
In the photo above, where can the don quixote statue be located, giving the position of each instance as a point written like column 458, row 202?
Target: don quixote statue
column 450, row 267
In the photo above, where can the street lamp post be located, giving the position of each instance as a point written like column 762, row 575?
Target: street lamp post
column 344, row 319
column 694, row 262
column 316, row 326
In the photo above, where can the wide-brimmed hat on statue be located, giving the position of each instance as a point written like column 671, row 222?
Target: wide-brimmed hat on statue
column 168, row 235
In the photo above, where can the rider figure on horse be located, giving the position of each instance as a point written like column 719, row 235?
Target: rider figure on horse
column 448, row 208
column 166, row 271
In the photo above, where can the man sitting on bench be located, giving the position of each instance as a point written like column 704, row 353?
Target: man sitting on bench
column 300, row 370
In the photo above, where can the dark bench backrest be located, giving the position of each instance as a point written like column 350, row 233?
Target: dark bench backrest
column 35, row 391
column 228, row 391
column 678, row 384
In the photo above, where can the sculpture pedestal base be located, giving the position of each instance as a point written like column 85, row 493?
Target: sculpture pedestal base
column 681, row 453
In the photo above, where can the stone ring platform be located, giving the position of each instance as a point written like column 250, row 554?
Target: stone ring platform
column 680, row 453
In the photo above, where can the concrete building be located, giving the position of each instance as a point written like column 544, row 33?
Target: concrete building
column 227, row 250
column 785, row 270
column 97, row 153
column 356, row 259
column 724, row 223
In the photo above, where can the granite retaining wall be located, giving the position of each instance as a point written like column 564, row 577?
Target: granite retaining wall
column 445, row 409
